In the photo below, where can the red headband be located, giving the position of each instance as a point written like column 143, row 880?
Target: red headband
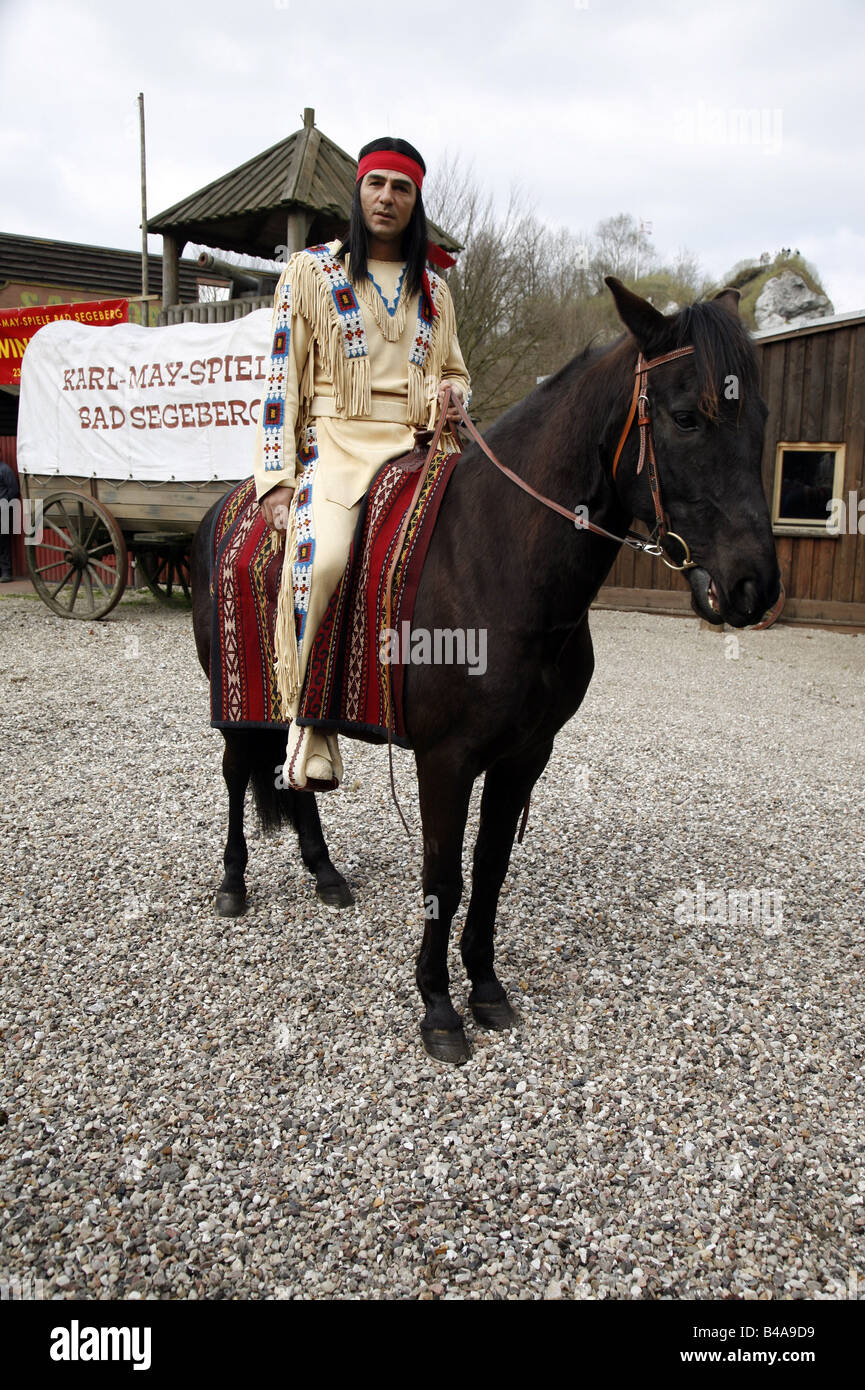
column 391, row 159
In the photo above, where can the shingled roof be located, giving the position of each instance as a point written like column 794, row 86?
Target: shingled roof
column 245, row 210
column 99, row 270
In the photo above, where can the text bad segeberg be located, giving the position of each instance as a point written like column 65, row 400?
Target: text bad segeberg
column 169, row 415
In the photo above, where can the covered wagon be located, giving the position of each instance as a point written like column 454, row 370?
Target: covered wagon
column 126, row 437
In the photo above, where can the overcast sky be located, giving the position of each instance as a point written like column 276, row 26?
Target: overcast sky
column 732, row 127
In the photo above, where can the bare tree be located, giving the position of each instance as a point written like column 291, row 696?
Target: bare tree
column 528, row 297
column 495, row 284
column 619, row 247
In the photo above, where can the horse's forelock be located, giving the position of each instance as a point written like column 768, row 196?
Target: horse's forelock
column 722, row 350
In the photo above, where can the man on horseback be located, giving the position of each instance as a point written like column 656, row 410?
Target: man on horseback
column 364, row 346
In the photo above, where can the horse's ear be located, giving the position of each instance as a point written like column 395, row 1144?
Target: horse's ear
column 641, row 317
column 728, row 298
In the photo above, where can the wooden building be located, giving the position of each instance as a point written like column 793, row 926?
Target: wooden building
column 36, row 270
column 813, row 381
column 295, row 194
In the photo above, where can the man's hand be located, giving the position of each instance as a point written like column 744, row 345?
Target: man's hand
column 274, row 507
column 453, row 415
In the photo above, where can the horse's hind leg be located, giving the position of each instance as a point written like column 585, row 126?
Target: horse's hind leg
column 330, row 885
column 279, row 805
column 445, row 788
column 507, row 786
column 236, row 769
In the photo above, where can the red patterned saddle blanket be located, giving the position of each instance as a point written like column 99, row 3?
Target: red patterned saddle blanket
column 245, row 586
column 346, row 687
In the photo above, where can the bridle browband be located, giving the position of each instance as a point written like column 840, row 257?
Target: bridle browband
column 655, row 544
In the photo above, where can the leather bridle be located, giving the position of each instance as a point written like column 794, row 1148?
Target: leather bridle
column 661, row 534
column 640, row 400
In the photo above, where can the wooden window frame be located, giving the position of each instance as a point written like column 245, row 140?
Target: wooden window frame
column 787, row 526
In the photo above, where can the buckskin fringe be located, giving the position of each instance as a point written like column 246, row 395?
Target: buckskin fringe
column 417, row 405
column 350, row 376
column 444, row 328
column 422, row 406
column 391, row 327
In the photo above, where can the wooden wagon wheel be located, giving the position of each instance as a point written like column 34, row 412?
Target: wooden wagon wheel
column 87, row 574
column 164, row 563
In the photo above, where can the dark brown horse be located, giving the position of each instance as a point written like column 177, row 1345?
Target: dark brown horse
column 503, row 564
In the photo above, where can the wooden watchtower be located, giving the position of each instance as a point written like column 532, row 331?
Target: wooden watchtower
column 298, row 193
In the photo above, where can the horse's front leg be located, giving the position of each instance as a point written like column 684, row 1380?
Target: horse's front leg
column 507, row 786
column 445, row 788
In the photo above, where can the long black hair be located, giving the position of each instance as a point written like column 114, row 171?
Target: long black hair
column 414, row 238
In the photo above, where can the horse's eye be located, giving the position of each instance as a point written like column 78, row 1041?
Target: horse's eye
column 685, row 419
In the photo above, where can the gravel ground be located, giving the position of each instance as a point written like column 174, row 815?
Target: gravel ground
column 196, row 1108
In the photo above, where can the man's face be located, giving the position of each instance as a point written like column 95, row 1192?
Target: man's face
column 387, row 199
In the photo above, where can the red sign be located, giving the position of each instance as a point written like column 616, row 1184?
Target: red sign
column 17, row 327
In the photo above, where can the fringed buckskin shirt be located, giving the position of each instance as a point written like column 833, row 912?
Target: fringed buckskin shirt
column 354, row 371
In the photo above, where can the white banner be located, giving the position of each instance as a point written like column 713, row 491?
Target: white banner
column 153, row 404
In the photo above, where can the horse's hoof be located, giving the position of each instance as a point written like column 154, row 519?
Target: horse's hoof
column 446, row 1044
column 230, row 904
column 499, row 1015
column 336, row 894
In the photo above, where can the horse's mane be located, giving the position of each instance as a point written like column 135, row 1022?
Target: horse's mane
column 603, row 376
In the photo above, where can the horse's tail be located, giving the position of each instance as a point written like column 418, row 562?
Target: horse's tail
column 274, row 802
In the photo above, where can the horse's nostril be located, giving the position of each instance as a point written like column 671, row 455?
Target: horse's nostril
column 747, row 596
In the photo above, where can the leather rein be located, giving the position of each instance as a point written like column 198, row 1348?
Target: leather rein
column 652, row 546
column 640, row 407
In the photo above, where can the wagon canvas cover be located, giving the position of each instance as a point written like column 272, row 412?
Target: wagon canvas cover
column 151, row 404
